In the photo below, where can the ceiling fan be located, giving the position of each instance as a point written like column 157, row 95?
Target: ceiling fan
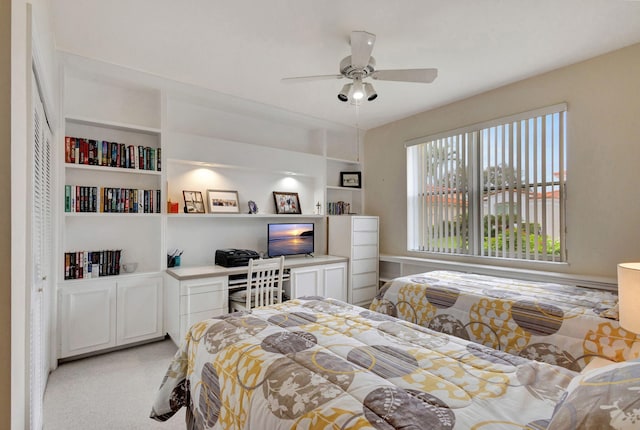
column 360, row 65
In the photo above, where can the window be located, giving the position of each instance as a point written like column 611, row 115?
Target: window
column 495, row 189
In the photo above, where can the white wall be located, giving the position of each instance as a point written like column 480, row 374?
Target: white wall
column 603, row 158
column 197, row 163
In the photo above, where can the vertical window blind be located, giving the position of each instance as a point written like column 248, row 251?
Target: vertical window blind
column 494, row 189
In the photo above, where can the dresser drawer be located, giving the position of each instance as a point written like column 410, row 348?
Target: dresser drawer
column 361, row 252
column 364, row 266
column 364, row 280
column 203, row 301
column 365, row 238
column 365, row 224
column 364, row 294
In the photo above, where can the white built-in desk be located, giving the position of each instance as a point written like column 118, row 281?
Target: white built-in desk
column 193, row 294
column 185, row 273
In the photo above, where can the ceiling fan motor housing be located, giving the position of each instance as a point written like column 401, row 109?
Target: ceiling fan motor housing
column 351, row 71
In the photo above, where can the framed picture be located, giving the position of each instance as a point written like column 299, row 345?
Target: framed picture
column 223, row 201
column 193, row 202
column 286, row 203
column 350, row 179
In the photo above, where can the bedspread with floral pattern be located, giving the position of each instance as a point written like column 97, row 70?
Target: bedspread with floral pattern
column 315, row 363
column 557, row 324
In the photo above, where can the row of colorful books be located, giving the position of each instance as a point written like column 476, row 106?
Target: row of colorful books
column 79, row 198
column 92, row 152
column 91, row 264
column 338, row 208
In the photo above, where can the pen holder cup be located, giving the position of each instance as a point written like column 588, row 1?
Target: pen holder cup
column 173, row 260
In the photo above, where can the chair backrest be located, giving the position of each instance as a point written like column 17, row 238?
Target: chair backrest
column 264, row 281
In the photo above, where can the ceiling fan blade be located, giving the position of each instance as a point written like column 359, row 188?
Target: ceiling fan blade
column 361, row 47
column 309, row 78
column 406, row 75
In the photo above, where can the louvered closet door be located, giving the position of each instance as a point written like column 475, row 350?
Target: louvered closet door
column 41, row 251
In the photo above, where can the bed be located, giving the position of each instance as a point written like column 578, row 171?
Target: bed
column 315, row 363
column 558, row 324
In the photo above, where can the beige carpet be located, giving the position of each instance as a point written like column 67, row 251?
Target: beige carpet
column 109, row 391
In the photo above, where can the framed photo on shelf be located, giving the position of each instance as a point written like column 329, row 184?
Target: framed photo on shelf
column 193, row 202
column 286, row 203
column 223, row 201
column 351, row 179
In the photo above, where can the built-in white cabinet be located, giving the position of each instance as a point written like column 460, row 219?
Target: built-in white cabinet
column 111, row 202
column 139, row 309
column 356, row 237
column 87, row 318
column 328, row 280
column 193, row 300
column 190, row 144
column 106, row 313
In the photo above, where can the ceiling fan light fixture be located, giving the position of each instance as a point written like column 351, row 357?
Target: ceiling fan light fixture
column 358, row 90
column 343, row 95
column 370, row 92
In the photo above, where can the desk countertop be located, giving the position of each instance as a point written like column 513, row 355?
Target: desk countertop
column 184, row 273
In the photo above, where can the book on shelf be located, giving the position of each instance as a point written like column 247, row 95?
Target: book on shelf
column 91, row 264
column 93, row 152
column 78, row 198
column 338, row 208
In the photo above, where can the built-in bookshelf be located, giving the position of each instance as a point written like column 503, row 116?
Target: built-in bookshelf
column 342, row 200
column 111, row 169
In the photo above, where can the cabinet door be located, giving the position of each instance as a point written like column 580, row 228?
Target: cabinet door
column 335, row 281
column 306, row 282
column 139, row 309
column 87, row 317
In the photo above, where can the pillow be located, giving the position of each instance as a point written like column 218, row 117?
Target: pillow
column 603, row 398
column 611, row 313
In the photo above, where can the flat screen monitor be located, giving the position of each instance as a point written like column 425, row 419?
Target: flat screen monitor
column 289, row 239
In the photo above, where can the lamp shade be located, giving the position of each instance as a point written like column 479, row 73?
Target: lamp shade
column 629, row 296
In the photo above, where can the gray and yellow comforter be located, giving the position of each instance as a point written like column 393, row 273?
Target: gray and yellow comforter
column 557, row 324
column 323, row 364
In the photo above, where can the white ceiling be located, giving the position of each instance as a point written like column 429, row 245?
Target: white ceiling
column 244, row 47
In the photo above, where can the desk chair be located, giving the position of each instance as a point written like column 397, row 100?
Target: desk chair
column 264, row 285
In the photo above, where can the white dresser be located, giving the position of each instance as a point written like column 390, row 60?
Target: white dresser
column 356, row 237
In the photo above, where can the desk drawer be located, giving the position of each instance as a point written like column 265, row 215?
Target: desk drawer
column 205, row 285
column 202, row 302
column 188, row 320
